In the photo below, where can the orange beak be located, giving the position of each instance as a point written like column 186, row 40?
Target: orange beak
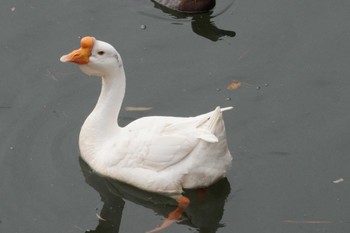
column 81, row 55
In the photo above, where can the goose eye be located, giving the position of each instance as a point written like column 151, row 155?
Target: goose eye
column 100, row 52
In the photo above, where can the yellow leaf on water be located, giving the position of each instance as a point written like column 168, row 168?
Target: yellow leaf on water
column 234, row 85
column 308, row 221
column 138, row 109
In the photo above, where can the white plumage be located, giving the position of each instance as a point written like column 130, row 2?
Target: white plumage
column 157, row 154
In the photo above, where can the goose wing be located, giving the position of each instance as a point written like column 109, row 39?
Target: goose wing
column 160, row 142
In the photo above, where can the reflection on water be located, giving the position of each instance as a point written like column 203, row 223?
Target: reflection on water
column 204, row 213
column 202, row 23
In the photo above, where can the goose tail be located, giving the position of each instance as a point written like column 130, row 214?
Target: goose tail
column 225, row 109
column 215, row 122
column 212, row 127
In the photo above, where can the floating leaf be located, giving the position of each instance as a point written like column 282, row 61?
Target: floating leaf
column 338, row 181
column 308, row 221
column 138, row 109
column 234, row 85
column 99, row 217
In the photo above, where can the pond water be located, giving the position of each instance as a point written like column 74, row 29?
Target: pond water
column 289, row 130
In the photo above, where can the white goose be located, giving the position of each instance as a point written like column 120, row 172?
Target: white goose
column 156, row 154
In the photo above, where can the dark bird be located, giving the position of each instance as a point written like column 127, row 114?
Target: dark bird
column 188, row 6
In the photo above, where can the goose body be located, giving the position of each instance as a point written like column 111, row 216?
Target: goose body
column 189, row 6
column 157, row 154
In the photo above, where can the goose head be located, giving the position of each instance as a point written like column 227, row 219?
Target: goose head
column 95, row 57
